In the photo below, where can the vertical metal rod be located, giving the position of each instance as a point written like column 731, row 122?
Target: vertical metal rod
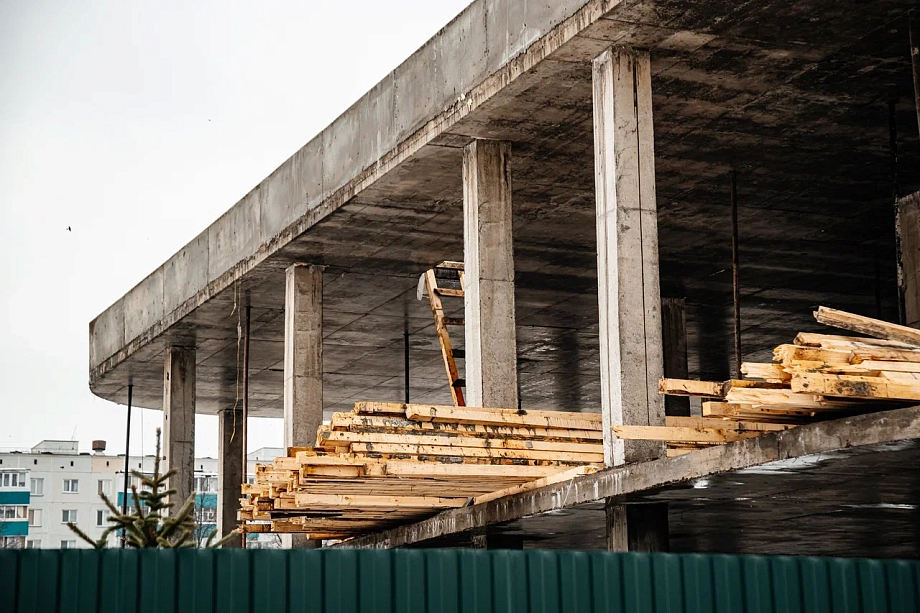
column 245, row 416
column 914, row 28
column 124, row 499
column 406, row 361
column 736, row 285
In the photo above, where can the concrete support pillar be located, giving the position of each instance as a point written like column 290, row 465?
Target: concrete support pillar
column 229, row 472
column 627, row 252
column 907, row 221
column 628, row 284
column 303, row 361
column 637, row 527
column 303, row 354
column 179, row 422
column 491, row 345
column 674, row 349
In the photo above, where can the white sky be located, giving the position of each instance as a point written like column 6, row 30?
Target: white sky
column 137, row 124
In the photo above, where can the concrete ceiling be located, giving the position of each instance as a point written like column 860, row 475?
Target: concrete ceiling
column 793, row 94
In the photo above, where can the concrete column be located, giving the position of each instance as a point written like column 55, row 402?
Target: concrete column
column 627, row 252
column 303, row 362
column 230, row 471
column 491, row 345
column 674, row 349
column 908, row 242
column 637, row 527
column 303, row 354
column 179, row 422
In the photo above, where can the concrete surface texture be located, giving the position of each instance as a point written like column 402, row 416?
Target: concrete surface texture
column 792, row 94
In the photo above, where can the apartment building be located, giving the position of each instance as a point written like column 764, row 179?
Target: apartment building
column 53, row 483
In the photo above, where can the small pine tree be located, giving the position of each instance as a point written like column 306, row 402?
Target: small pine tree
column 153, row 528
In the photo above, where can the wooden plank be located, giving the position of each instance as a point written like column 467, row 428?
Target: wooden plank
column 449, row 264
column 716, row 436
column 334, row 501
column 472, row 452
column 673, row 453
column 832, row 341
column 867, row 325
column 446, row 291
column 776, row 414
column 558, row 477
column 780, row 397
column 791, row 353
column 766, row 371
column 853, row 386
column 332, row 438
column 690, row 387
column 505, row 417
column 722, row 423
column 355, row 423
column 380, row 408
column 429, row 469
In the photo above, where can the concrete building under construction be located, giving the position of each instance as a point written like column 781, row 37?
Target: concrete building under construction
column 636, row 189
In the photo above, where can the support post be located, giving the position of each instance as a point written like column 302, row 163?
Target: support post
column 913, row 17
column 303, row 361
column 736, row 279
column 674, row 348
column 637, row 527
column 491, row 345
column 303, row 354
column 179, row 422
column 627, row 269
column 627, row 252
column 907, row 223
column 229, row 474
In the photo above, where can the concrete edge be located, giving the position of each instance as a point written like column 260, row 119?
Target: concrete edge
column 622, row 482
column 514, row 66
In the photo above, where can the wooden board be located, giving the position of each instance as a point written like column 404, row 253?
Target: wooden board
column 712, row 436
column 558, row 477
column 505, row 417
column 691, row 387
column 867, row 325
column 721, row 422
column 327, row 438
column 854, row 386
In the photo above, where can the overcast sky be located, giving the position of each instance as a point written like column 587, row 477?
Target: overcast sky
column 136, row 124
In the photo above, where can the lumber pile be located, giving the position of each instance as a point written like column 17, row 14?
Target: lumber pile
column 385, row 464
column 817, row 376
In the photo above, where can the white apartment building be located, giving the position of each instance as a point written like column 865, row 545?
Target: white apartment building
column 53, row 483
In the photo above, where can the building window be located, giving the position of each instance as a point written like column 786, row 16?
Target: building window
column 33, row 544
column 37, row 487
column 206, row 515
column 205, row 484
column 13, row 512
column 35, row 518
column 71, row 486
column 102, row 518
column 68, row 515
column 68, row 544
column 105, row 486
column 6, row 480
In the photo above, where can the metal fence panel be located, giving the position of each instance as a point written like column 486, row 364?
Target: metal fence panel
column 447, row 581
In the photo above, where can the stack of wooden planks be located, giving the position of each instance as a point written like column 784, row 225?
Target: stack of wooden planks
column 386, row 464
column 817, row 376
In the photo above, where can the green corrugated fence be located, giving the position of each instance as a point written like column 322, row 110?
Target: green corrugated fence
column 446, row 580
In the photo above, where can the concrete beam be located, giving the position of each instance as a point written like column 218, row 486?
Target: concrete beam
column 179, row 422
column 852, row 435
column 491, row 345
column 907, row 222
column 230, row 458
column 303, row 354
column 627, row 251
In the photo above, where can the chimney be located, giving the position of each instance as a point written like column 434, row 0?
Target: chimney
column 98, row 446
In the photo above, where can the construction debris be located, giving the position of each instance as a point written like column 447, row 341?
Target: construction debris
column 817, row 377
column 386, row 464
